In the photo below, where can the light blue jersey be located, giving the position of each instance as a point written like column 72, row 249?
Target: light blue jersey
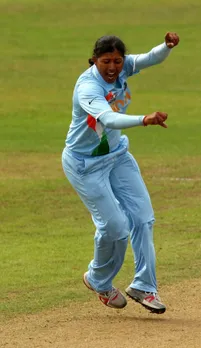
column 111, row 187
column 93, row 96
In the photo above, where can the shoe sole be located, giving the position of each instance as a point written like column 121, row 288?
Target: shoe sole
column 152, row 310
column 87, row 284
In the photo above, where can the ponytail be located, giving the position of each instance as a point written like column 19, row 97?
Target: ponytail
column 90, row 61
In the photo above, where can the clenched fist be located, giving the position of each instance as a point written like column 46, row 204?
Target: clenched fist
column 171, row 39
column 156, row 118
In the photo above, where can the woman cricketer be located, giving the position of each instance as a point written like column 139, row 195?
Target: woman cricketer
column 106, row 176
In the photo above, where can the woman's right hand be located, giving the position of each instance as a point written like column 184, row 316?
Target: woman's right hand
column 156, row 118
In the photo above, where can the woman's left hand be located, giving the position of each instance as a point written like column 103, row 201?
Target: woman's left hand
column 171, row 39
column 156, row 118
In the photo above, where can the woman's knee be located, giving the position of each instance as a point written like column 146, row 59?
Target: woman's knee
column 142, row 219
column 115, row 228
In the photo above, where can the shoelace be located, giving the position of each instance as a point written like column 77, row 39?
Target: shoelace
column 157, row 297
column 111, row 293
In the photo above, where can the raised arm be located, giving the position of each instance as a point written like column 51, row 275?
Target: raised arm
column 158, row 54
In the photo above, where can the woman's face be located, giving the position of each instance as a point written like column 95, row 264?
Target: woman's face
column 110, row 65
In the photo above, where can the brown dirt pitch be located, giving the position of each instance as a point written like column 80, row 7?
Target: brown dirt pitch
column 92, row 325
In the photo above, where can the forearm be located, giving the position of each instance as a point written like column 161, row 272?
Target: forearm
column 114, row 120
column 157, row 55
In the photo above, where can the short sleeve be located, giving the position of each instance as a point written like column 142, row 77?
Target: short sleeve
column 129, row 65
column 92, row 100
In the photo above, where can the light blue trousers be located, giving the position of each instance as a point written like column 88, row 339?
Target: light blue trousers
column 112, row 189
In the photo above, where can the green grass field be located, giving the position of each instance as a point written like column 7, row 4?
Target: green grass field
column 46, row 236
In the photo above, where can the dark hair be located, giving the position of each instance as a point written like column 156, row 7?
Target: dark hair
column 107, row 43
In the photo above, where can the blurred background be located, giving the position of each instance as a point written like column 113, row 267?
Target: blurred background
column 46, row 233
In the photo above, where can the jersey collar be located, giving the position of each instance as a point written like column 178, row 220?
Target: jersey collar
column 96, row 73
